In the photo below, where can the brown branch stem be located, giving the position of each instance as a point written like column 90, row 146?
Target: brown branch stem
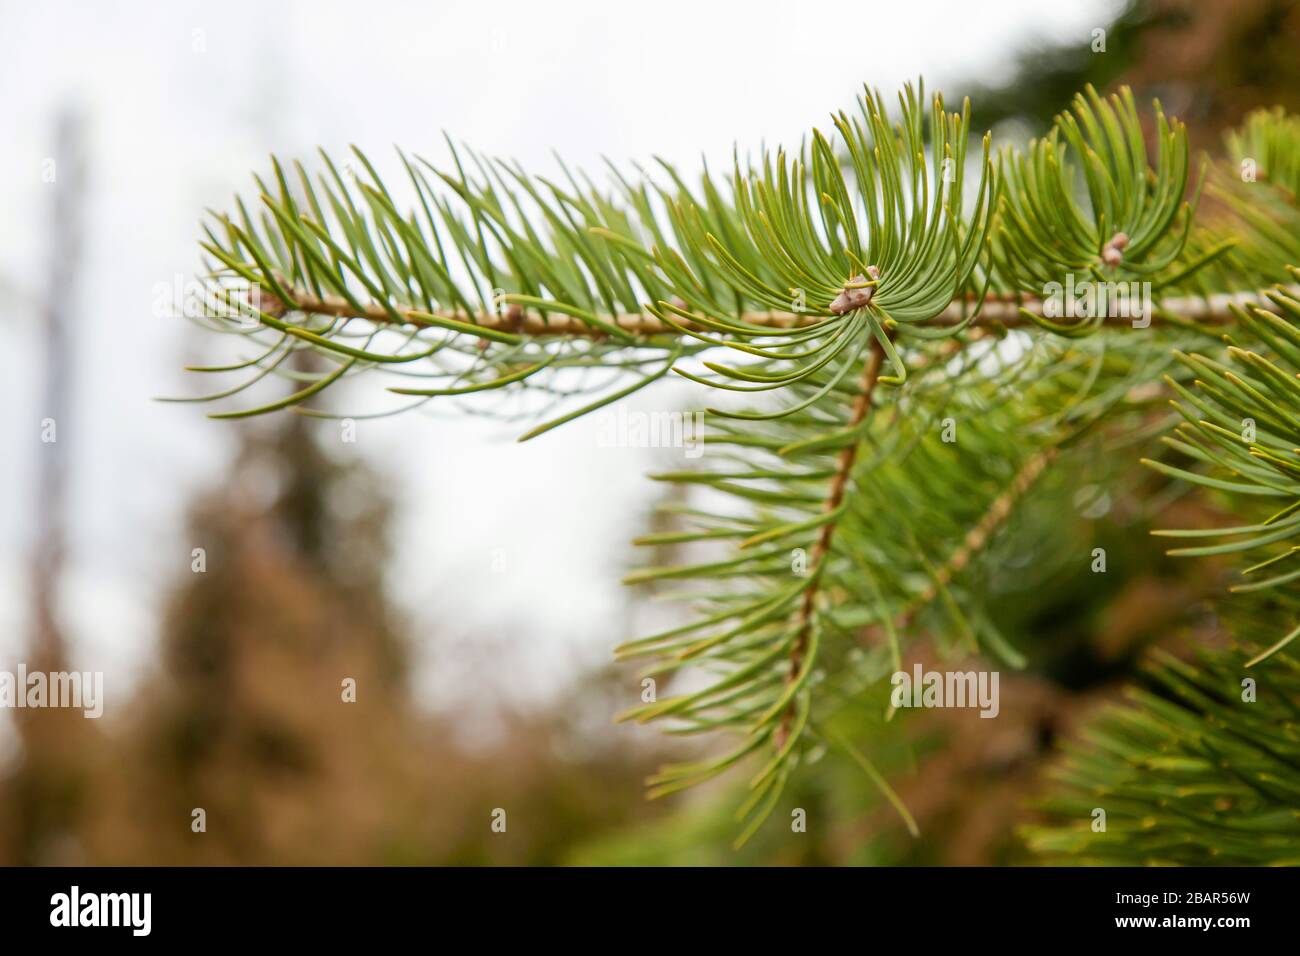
column 1001, row 309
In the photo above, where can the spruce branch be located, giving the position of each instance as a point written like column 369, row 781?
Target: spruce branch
column 826, row 534
column 1194, row 770
column 996, row 310
column 1241, row 422
column 842, row 301
column 1200, row 768
column 974, row 542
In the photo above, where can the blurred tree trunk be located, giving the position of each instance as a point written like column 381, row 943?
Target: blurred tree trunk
column 49, row 785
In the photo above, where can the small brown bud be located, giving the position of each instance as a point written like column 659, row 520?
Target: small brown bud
column 267, row 303
column 1112, row 253
column 855, row 295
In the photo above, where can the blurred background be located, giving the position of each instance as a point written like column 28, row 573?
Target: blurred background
column 468, row 584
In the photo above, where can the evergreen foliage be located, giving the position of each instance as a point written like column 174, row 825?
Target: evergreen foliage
column 877, row 320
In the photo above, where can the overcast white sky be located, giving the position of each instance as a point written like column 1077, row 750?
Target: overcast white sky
column 185, row 99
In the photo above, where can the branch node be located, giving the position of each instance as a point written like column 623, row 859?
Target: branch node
column 1112, row 253
column 857, row 292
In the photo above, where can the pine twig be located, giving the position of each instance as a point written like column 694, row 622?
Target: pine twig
column 822, row 547
column 976, row 538
column 1001, row 309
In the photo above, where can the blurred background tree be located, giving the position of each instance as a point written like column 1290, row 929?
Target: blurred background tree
column 245, row 719
column 1209, row 64
column 43, row 796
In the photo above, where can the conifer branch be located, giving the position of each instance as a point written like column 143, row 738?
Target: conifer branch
column 814, row 268
column 996, row 309
column 976, row 538
column 825, row 536
column 1196, row 771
